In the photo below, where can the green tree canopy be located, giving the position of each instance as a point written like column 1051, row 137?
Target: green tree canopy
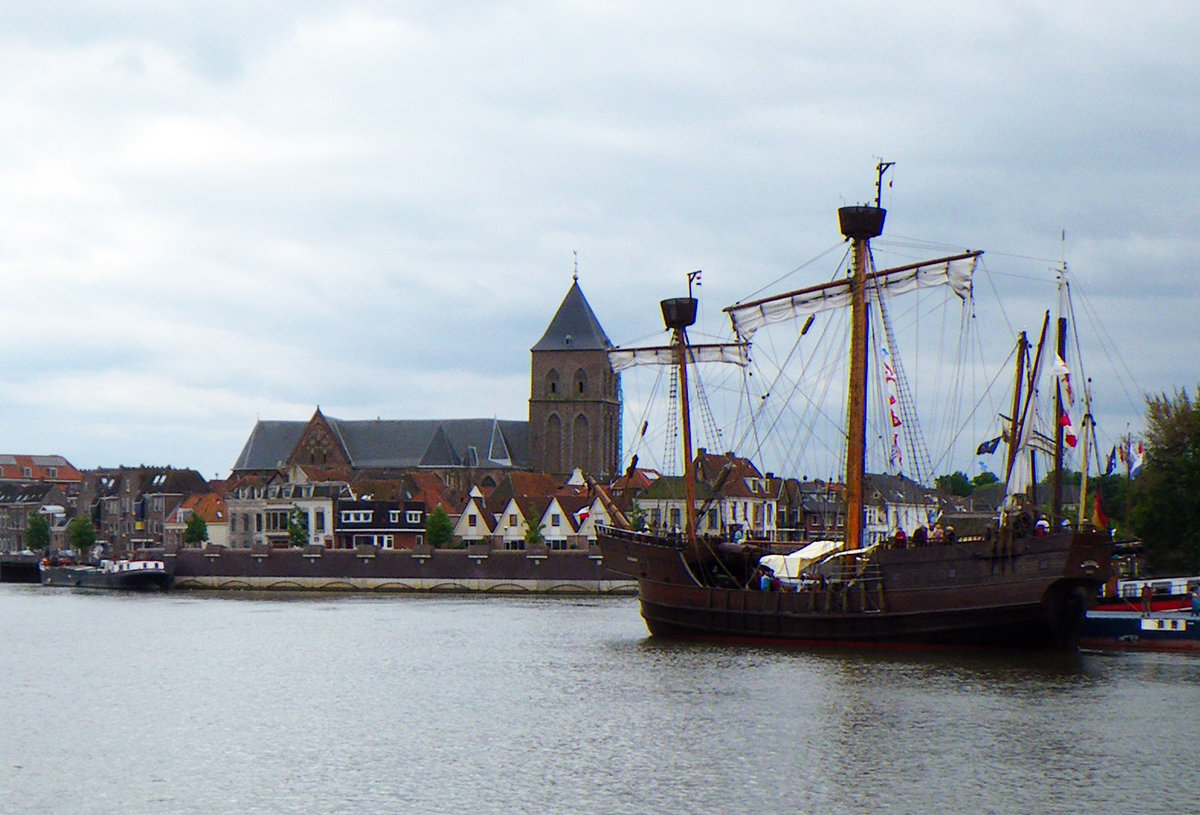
column 81, row 535
column 297, row 528
column 439, row 529
column 37, row 532
column 1166, row 495
column 533, row 534
column 196, row 531
column 956, row 483
column 984, row 478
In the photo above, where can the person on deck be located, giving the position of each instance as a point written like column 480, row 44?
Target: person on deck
column 920, row 536
column 901, row 538
column 1042, row 528
column 938, row 535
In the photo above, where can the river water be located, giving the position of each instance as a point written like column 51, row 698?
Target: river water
column 251, row 703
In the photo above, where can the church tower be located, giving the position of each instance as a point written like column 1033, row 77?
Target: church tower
column 574, row 400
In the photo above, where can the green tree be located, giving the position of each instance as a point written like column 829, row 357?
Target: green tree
column 196, row 531
column 37, row 533
column 439, row 529
column 1164, row 506
column 533, row 534
column 984, row 478
column 637, row 517
column 956, row 483
column 297, row 528
column 81, row 535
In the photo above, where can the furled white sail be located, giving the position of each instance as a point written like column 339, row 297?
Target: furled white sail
column 956, row 272
column 731, row 352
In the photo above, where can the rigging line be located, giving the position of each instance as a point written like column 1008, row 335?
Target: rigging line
column 1109, row 347
column 905, row 241
column 752, row 425
column 754, row 294
column 636, row 445
column 786, row 402
column 908, row 414
column 1001, row 370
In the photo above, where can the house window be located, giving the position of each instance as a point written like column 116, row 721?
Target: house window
column 53, row 472
column 27, row 472
column 382, row 541
column 412, row 516
column 555, row 520
column 319, row 521
column 393, row 516
column 472, row 520
column 357, row 516
column 512, row 520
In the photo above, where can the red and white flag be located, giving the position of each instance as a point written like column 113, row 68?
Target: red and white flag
column 1068, row 430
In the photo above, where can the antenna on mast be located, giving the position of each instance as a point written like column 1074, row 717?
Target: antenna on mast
column 881, row 168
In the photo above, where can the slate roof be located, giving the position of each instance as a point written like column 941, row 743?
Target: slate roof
column 574, row 327
column 398, row 444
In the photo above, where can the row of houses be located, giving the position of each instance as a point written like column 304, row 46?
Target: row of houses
column 144, row 507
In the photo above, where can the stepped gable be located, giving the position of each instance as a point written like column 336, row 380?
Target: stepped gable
column 574, row 327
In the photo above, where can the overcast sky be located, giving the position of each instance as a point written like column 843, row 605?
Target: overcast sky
column 216, row 212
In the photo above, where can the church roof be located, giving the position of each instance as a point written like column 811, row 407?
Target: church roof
column 574, row 327
column 397, row 444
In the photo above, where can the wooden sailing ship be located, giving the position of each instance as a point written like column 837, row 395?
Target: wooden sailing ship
column 1010, row 586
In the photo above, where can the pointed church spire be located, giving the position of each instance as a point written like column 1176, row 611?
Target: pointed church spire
column 574, row 327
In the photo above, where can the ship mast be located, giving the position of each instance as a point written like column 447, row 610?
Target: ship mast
column 859, row 224
column 679, row 313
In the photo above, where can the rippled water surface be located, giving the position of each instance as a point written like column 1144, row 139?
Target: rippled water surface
column 213, row 703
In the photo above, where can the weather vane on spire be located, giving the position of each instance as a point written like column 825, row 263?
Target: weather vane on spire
column 575, row 276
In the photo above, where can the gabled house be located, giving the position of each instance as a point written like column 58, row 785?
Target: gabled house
column 18, row 501
column 211, row 507
column 129, row 506
column 260, row 510
column 514, row 520
column 896, row 502
column 475, row 523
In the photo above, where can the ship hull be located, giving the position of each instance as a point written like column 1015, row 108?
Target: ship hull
column 1033, row 594
column 1130, row 630
column 89, row 577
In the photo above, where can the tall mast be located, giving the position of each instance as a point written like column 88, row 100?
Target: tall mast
column 1056, row 513
column 859, row 224
column 679, row 313
column 1015, row 428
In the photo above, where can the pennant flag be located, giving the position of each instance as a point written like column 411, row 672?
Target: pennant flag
column 1068, row 430
column 1112, row 462
column 897, row 455
column 988, row 446
column 1137, row 459
column 1099, row 518
column 1059, row 369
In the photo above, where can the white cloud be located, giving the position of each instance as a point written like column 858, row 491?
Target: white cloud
column 221, row 211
